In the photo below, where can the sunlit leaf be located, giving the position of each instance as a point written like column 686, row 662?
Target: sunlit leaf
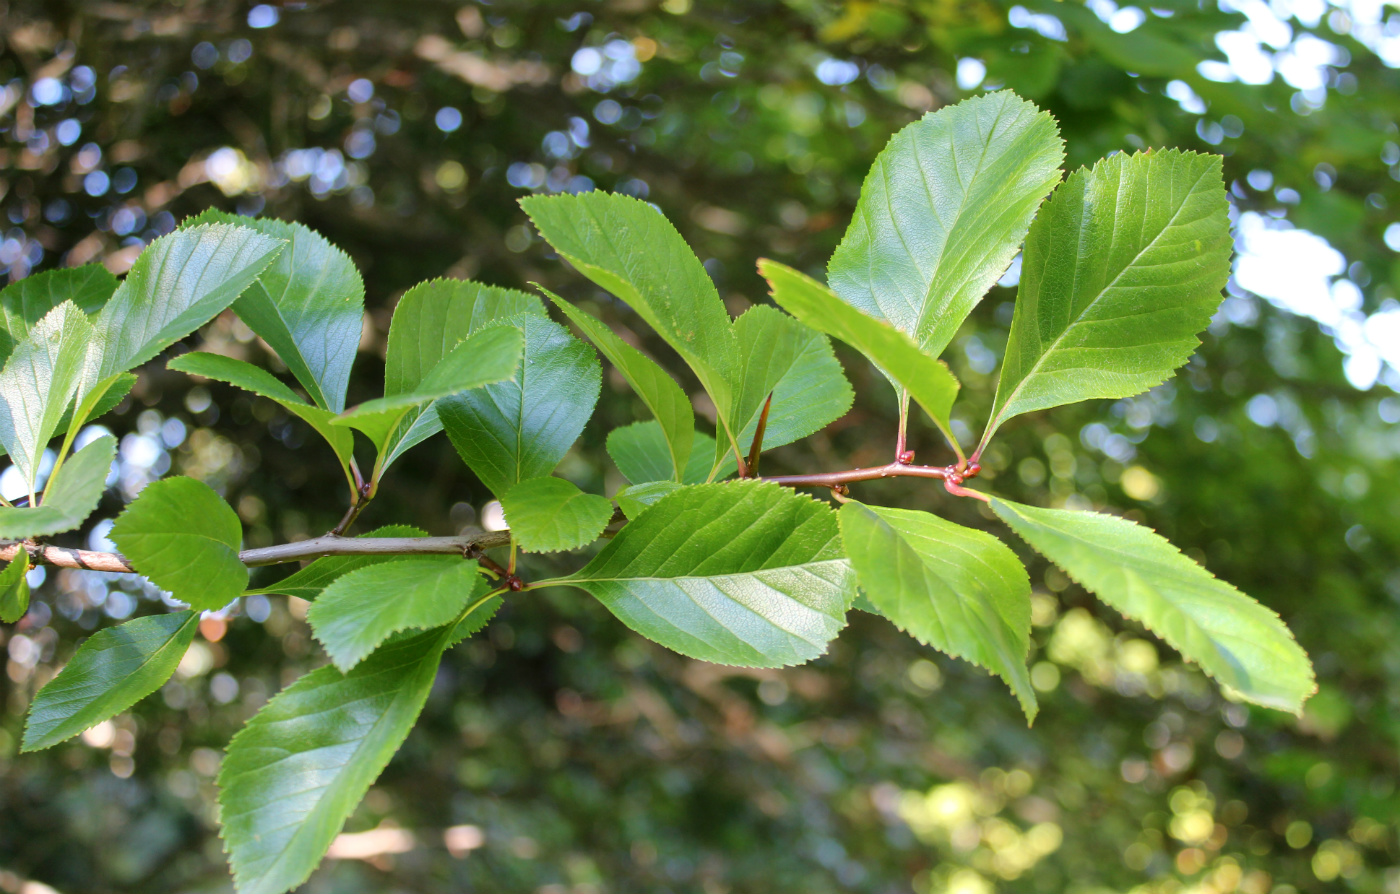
column 547, row 515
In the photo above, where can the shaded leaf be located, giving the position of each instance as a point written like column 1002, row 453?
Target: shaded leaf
column 25, row 302
column 113, row 670
column 547, row 515
column 1234, row 639
column 14, row 588
column 959, row 590
column 634, row 499
column 942, row 213
column 744, row 572
column 1122, row 269
column 640, row 453
column 361, row 609
column 183, row 536
column 518, row 429
column 662, row 396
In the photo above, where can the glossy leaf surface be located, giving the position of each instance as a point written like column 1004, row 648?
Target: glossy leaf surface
column 745, row 573
column 38, row 383
column 1122, row 269
column 547, row 515
column 116, row 667
column 943, row 211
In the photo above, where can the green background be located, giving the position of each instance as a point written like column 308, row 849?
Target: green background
column 584, row 759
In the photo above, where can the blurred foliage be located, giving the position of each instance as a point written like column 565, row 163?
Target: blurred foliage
column 558, row 751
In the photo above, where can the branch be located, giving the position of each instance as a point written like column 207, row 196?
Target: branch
column 951, row 476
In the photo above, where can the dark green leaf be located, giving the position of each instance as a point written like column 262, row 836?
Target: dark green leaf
column 942, row 213
column 653, row 385
column 1122, row 269
column 114, row 669
column 519, row 429
column 547, row 515
column 72, row 494
column 1234, row 639
column 959, row 590
column 743, row 572
column 185, row 538
column 635, row 499
column 360, row 610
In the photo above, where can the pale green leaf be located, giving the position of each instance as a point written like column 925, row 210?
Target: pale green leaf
column 486, row 357
column 295, row 771
column 263, row 383
column 308, row 583
column 178, row 283
column 38, row 382
column 927, row 380
column 72, row 494
column 113, row 670
column 1234, row 639
column 361, row 609
column 1122, row 269
column 634, row 499
column 959, row 590
column 183, row 536
column 662, row 396
column 547, row 515
column 24, row 303
column 942, row 213
column 14, row 588
column 640, row 452
column 308, row 306
column 629, row 248
column 521, row 428
column 744, row 572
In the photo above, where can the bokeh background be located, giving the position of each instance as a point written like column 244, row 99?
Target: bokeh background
column 560, row 753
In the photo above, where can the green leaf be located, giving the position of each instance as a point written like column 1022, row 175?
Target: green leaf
column 959, row 590
column 359, row 610
column 38, row 383
column 662, row 396
column 297, row 769
column 183, row 536
column 640, row 452
column 308, row 306
column 1234, row 639
column 486, row 357
column 105, row 395
column 72, row 494
column 635, row 499
column 429, row 321
column 264, row 384
column 745, row 573
column 780, row 356
column 113, row 670
column 629, row 248
column 177, row 285
column 24, row 303
column 927, row 380
column 1122, row 269
column 547, row 515
column 14, row 588
column 942, row 213
column 519, row 429
column 308, row 583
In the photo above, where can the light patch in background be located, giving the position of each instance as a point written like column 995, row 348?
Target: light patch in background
column 971, row 73
column 1301, row 272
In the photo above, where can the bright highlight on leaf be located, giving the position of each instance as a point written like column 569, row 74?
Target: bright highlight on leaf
column 744, row 573
column 185, row 538
column 1234, row 639
column 547, row 515
column 112, row 671
column 361, row 609
column 959, row 590
column 1122, row 269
